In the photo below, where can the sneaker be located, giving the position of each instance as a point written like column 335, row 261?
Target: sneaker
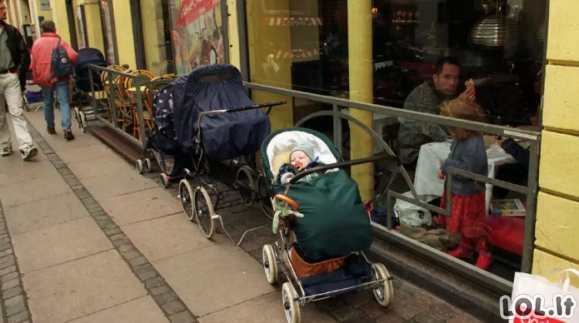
column 29, row 153
column 6, row 151
column 484, row 260
column 460, row 253
column 68, row 135
column 51, row 131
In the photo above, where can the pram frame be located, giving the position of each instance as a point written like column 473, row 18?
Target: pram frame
column 188, row 195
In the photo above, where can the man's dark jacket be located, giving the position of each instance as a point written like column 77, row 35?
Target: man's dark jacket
column 19, row 52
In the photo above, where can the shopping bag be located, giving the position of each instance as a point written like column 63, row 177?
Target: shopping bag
column 542, row 301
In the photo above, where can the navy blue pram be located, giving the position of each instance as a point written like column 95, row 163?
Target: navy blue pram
column 204, row 115
column 81, row 81
column 86, row 57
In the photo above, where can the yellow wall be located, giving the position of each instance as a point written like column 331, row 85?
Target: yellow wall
column 47, row 14
column 60, row 18
column 557, row 243
column 124, row 33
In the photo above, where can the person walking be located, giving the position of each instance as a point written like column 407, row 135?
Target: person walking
column 14, row 63
column 43, row 71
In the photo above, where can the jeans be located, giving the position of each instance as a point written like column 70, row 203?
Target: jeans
column 10, row 93
column 62, row 95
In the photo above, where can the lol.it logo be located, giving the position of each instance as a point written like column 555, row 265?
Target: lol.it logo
column 534, row 309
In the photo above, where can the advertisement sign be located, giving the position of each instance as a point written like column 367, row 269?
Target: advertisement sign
column 198, row 35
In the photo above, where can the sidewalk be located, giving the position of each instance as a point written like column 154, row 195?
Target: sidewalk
column 85, row 239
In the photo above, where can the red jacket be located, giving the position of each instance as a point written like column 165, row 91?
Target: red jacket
column 41, row 57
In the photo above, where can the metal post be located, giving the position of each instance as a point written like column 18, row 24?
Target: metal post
column 92, row 98
column 337, row 129
column 531, row 214
column 112, row 95
column 140, row 117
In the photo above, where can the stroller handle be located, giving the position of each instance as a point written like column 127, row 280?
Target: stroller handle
column 256, row 106
column 342, row 165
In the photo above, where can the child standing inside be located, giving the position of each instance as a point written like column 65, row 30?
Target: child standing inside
column 468, row 209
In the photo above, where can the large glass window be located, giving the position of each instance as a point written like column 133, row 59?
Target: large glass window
column 156, row 17
column 424, row 53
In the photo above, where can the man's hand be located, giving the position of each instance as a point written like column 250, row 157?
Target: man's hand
column 441, row 174
column 15, row 73
column 468, row 94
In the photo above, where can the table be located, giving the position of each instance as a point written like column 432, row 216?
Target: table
column 134, row 89
column 426, row 181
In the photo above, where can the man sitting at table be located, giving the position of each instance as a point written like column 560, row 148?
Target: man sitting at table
column 427, row 98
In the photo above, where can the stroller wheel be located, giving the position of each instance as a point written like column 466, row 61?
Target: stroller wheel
column 82, row 121
column 246, row 185
column 384, row 293
column 186, row 197
column 264, row 198
column 147, row 165
column 290, row 304
column 163, row 180
column 204, row 211
column 139, row 166
column 269, row 261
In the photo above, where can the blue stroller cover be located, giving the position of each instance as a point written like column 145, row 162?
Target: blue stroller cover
column 163, row 135
column 224, row 135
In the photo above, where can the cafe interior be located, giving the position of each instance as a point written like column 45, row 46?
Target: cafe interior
column 500, row 45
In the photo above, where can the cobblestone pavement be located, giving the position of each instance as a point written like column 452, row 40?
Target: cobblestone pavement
column 84, row 238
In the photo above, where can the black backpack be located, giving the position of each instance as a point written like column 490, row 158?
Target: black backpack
column 60, row 63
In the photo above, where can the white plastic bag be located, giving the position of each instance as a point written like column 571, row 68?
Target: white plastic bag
column 411, row 214
column 532, row 287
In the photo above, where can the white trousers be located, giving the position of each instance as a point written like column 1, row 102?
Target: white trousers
column 10, row 93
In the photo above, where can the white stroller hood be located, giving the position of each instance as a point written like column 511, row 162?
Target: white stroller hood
column 288, row 140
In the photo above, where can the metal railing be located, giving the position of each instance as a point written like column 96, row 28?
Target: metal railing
column 108, row 113
column 126, row 110
column 387, row 233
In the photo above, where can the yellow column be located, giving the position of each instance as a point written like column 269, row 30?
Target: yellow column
column 558, row 202
column 361, row 90
column 34, row 18
column 60, row 19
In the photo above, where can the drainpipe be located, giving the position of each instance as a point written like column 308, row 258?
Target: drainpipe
column 361, row 90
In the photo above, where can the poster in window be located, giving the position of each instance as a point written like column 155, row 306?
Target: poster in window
column 198, row 34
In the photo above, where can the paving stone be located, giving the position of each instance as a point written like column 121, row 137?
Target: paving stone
column 389, row 317
column 408, row 310
column 12, row 292
column 173, row 307
column 141, row 310
column 154, row 283
column 427, row 317
column 345, row 312
column 358, row 299
column 183, row 317
column 10, row 284
column 19, row 318
column 372, row 309
column 14, row 305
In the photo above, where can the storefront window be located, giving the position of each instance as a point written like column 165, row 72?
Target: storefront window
column 156, row 17
column 494, row 45
column 197, row 34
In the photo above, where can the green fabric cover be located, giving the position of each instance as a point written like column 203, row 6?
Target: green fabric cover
column 335, row 222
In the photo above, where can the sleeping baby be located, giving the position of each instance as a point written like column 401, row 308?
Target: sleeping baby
column 301, row 158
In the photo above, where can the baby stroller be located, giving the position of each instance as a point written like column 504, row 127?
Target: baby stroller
column 206, row 115
column 81, row 82
column 162, row 141
column 323, row 224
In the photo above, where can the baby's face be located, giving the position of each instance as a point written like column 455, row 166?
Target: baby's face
column 299, row 159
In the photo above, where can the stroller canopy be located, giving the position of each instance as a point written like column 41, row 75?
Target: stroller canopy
column 88, row 56
column 224, row 135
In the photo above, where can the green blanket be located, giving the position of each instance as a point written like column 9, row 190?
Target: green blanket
column 335, row 222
